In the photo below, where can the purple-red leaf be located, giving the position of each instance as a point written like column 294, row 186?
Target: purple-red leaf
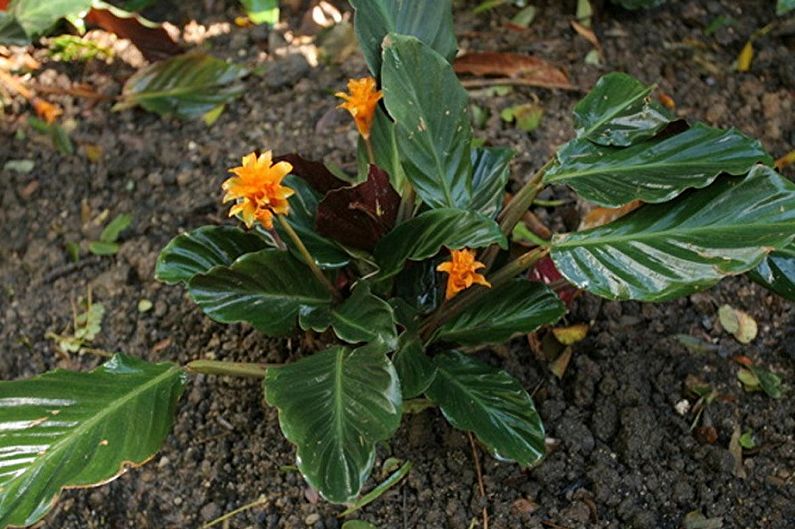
column 359, row 216
column 313, row 173
column 547, row 273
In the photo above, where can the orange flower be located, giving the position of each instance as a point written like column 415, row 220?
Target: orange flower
column 462, row 268
column 46, row 111
column 257, row 188
column 361, row 103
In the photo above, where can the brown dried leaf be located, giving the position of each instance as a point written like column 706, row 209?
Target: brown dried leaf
column 152, row 39
column 571, row 334
column 533, row 70
column 600, row 216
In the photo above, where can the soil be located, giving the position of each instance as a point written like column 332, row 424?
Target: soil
column 621, row 455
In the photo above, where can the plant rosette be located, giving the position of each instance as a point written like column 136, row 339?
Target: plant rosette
column 406, row 267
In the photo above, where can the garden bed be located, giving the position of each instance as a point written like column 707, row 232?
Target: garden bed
column 621, row 454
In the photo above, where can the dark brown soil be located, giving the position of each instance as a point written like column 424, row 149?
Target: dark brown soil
column 624, row 459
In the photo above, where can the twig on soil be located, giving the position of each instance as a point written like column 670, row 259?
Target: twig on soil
column 257, row 503
column 481, row 487
column 61, row 271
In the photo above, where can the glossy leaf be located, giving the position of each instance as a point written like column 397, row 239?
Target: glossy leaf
column 419, row 285
column 37, row 16
column 424, row 235
column 385, row 150
column 478, row 398
column 11, row 33
column 198, row 251
column 520, row 306
column 618, row 111
column 777, row 272
column 187, row 86
column 430, row 109
column 335, row 406
column 363, row 317
column 489, row 177
column 358, row 216
column 415, row 369
column 68, row 429
column 654, row 171
column 266, row 289
column 668, row 250
column 303, row 219
column 150, row 38
column 431, row 21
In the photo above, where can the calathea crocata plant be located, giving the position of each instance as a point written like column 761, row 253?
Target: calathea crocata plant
column 406, row 267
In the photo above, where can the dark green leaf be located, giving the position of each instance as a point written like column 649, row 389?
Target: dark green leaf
column 418, row 285
column 11, row 33
column 430, row 109
column 520, row 306
column 68, row 429
column 424, row 235
column 266, row 288
column 415, row 369
column 61, row 140
column 115, row 227
column 303, row 211
column 777, row 272
column 784, row 6
column 262, row 11
column 37, row 16
column 197, row 251
column 488, row 402
column 489, row 178
column 363, row 317
column 768, row 381
column 187, row 86
column 618, row 111
column 431, row 21
column 638, row 4
column 335, row 406
column 654, row 171
column 668, row 250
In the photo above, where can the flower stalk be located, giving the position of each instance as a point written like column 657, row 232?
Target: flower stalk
column 310, row 261
column 231, row 369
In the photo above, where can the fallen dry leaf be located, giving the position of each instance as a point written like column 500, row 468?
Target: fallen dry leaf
column 784, row 161
column 154, row 42
column 571, row 334
column 738, row 323
column 601, row 216
column 561, row 363
column 745, row 57
column 531, row 70
column 588, row 34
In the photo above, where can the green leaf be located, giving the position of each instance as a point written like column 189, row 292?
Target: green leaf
column 37, row 16
column 489, row 178
column 415, row 369
column 654, row 171
column 488, row 402
column 618, row 111
column 11, row 33
column 197, row 251
column 520, row 306
column 768, row 381
column 266, row 289
column 303, row 212
column 103, row 248
column 431, row 21
column 777, row 272
column 363, row 317
column 638, row 4
column 424, row 235
column 67, row 429
column 262, row 11
column 784, row 6
column 663, row 251
column 335, row 406
column 430, row 109
column 115, row 227
column 385, row 150
column 187, row 86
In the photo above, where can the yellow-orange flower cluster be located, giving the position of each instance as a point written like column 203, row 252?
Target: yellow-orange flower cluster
column 257, row 188
column 462, row 269
column 361, row 103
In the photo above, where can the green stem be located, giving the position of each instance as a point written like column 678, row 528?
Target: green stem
column 474, row 296
column 406, row 203
column 230, row 369
column 370, row 152
column 310, row 261
column 521, row 201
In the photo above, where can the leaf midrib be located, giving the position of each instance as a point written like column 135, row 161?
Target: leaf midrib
column 665, row 233
column 86, row 426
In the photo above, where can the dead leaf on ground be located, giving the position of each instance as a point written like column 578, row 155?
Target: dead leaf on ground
column 784, row 161
column 588, row 34
column 745, row 57
column 736, row 450
column 571, row 334
column 696, row 520
column 561, row 363
column 600, row 216
column 529, row 69
column 738, row 323
column 154, row 42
